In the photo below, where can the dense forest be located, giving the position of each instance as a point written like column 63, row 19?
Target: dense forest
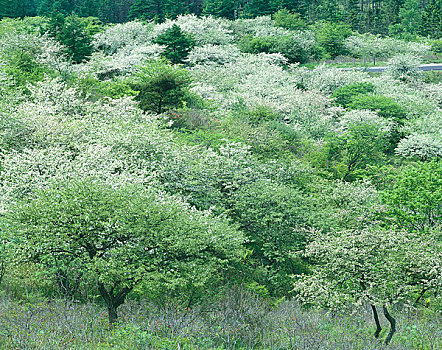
column 385, row 17
column 220, row 174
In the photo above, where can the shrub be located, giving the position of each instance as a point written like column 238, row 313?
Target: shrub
column 345, row 95
column 296, row 47
column 285, row 19
column 436, row 46
column 404, row 67
column 161, row 86
column 385, row 107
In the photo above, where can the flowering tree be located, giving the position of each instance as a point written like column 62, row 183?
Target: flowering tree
column 381, row 268
column 121, row 236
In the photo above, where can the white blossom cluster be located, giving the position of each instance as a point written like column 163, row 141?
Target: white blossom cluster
column 204, row 30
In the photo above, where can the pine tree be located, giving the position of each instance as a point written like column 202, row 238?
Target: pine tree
column 147, row 9
column 70, row 32
column 177, row 43
column 432, row 19
column 221, row 8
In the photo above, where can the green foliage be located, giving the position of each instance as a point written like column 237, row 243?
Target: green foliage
column 291, row 47
column 161, row 86
column 344, row 96
column 436, row 46
column 385, row 107
column 415, row 198
column 71, row 33
column 94, row 89
column 271, row 216
column 177, row 43
column 23, row 68
column 330, row 37
column 432, row 19
column 255, row 8
column 220, row 8
column 285, row 19
column 122, row 236
column 360, row 142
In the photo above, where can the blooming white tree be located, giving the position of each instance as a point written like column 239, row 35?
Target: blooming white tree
column 371, row 266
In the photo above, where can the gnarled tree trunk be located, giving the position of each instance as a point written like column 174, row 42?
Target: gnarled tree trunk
column 392, row 325
column 113, row 301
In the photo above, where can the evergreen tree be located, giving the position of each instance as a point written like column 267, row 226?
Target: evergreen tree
column 45, row 8
column 178, row 44
column 19, row 8
column 255, row 8
column 411, row 19
column 221, row 8
column 432, row 19
column 70, row 32
column 147, row 9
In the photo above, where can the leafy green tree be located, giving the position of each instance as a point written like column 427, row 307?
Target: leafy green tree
column 385, row 107
column 371, row 266
column 161, row 86
column 122, row 236
column 178, row 44
column 295, row 49
column 415, row 198
column 361, row 141
column 285, row 19
column 330, row 37
column 23, row 67
column 344, row 96
column 271, row 215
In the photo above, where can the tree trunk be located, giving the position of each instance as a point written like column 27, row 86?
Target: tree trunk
column 113, row 301
column 112, row 313
column 376, row 320
column 392, row 325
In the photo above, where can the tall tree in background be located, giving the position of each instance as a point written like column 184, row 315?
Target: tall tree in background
column 17, row 8
column 147, row 9
column 411, row 19
column 221, row 8
column 114, row 11
column 432, row 19
column 255, row 8
column 70, row 32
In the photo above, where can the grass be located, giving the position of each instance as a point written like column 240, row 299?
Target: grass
column 238, row 320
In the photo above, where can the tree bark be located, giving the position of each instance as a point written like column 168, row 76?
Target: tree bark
column 392, row 325
column 376, row 320
column 113, row 301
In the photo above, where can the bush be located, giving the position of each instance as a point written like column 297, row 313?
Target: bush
column 161, row 86
column 345, row 95
column 330, row 37
column 404, row 67
column 285, row 19
column 436, row 46
column 296, row 48
column 385, row 107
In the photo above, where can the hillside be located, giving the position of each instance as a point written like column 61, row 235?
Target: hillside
column 210, row 183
